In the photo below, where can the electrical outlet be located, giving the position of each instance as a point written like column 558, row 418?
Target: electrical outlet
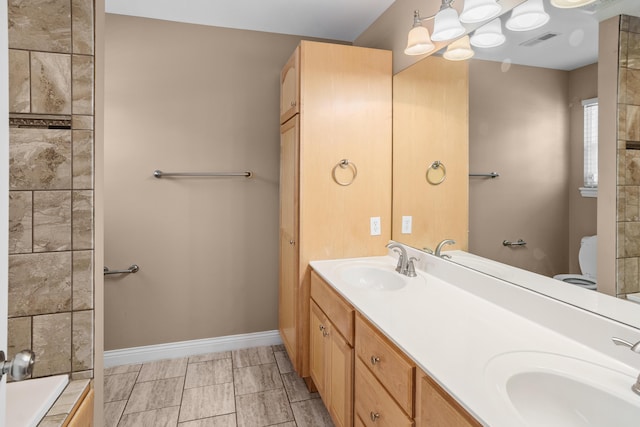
column 375, row 226
column 406, row 224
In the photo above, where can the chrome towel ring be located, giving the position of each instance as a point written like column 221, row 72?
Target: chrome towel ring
column 343, row 164
column 433, row 167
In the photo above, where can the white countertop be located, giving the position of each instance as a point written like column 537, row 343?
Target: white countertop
column 453, row 334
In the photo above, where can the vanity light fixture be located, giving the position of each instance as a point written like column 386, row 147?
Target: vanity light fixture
column 418, row 40
column 479, row 10
column 569, row 4
column 446, row 25
column 459, row 50
column 528, row 16
column 489, row 35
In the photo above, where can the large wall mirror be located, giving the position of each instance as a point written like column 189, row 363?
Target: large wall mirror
column 525, row 123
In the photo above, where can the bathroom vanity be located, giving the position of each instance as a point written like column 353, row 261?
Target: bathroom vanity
column 455, row 347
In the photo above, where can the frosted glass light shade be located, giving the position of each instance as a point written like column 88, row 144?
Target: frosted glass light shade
column 459, row 50
column 528, row 16
column 489, row 35
column 418, row 41
column 479, row 10
column 447, row 25
column 568, row 4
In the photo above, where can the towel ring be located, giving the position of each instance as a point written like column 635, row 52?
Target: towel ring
column 434, row 166
column 344, row 163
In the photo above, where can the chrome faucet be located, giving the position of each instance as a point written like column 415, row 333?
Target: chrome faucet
column 636, row 349
column 405, row 265
column 441, row 245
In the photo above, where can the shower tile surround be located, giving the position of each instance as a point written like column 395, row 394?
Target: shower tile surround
column 51, row 231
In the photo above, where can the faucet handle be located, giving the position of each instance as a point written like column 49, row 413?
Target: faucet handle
column 634, row 347
column 411, row 269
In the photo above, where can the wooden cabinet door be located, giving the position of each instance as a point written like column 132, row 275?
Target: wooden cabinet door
column 436, row 408
column 319, row 337
column 288, row 269
column 290, row 88
column 340, row 379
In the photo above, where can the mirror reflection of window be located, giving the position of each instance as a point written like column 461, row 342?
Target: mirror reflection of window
column 590, row 188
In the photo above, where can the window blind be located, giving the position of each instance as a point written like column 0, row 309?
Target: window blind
column 590, row 107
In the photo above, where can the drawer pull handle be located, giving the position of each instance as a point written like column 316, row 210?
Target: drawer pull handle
column 375, row 360
column 374, row 416
column 321, row 327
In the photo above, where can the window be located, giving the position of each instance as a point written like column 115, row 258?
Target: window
column 590, row 188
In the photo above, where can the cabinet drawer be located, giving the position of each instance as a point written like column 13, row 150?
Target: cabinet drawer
column 436, row 408
column 334, row 306
column 394, row 370
column 373, row 405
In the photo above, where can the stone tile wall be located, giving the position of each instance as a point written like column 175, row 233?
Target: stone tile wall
column 628, row 251
column 51, row 97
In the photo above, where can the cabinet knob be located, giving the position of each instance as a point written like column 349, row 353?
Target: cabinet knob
column 293, row 103
column 374, row 416
column 375, row 360
column 321, row 327
column 292, row 242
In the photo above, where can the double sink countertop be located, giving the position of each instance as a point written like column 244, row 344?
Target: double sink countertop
column 498, row 349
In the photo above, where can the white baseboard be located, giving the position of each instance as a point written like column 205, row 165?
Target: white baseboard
column 174, row 350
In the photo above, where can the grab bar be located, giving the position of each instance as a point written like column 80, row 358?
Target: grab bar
column 159, row 174
column 486, row 175
column 520, row 242
column 132, row 269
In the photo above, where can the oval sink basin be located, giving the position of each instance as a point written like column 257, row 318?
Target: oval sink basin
column 545, row 389
column 372, row 278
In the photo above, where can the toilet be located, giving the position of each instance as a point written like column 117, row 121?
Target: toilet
column 588, row 261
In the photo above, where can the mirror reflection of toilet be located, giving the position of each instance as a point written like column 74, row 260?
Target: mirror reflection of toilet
column 588, row 259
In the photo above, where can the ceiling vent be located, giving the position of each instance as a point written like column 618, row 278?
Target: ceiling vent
column 539, row 39
column 598, row 5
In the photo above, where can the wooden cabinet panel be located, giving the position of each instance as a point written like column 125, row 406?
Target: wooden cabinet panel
column 433, row 91
column 288, row 294
column 336, row 308
column 373, row 404
column 290, row 87
column 83, row 416
column 436, row 408
column 344, row 112
column 340, row 380
column 317, row 350
column 391, row 367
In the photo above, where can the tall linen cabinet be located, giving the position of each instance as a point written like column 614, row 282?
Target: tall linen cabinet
column 335, row 171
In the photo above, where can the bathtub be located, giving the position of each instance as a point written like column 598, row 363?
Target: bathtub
column 29, row 401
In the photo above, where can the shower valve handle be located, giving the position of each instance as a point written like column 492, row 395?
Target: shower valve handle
column 20, row 367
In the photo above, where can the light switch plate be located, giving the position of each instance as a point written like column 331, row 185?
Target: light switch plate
column 375, row 226
column 406, row 224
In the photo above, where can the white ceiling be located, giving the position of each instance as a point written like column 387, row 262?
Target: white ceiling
column 575, row 46
column 330, row 19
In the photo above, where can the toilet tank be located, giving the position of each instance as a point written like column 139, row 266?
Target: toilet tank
column 588, row 256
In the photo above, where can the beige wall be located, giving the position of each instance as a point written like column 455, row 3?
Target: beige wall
column 583, row 84
column 519, row 127
column 180, row 98
column 608, row 64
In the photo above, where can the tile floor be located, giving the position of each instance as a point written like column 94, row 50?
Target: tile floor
column 246, row 388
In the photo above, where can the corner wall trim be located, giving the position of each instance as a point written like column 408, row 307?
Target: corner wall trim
column 173, row 350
